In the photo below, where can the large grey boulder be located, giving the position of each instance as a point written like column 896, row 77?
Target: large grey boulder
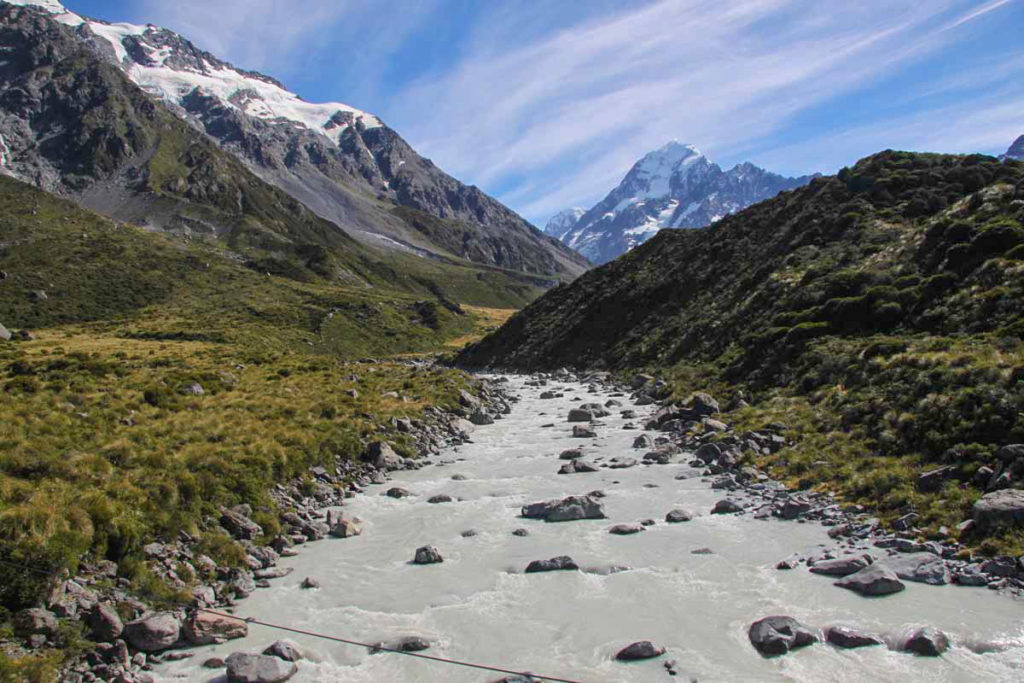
column 288, row 650
column 577, row 467
column 1004, row 507
column 339, row 527
column 643, row 649
column 676, row 516
column 381, row 455
column 238, row 525
column 560, row 563
column 5, row 334
column 580, row 415
column 626, row 529
column 249, row 668
column 35, row 621
column 842, row 566
column 579, row 432
column 926, row 642
column 105, row 623
column 205, row 628
column 565, row 510
column 704, row 404
column 873, row 580
column 427, row 554
column 920, row 567
column 849, row 638
column 480, row 418
column 153, row 632
column 777, row 635
column 726, row 507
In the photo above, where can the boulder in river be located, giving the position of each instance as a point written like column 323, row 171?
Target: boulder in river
column 571, row 454
column 777, row 635
column 397, row 492
column 643, row 441
column 427, row 554
column 873, row 580
column 677, row 515
column 841, row 566
column 342, row 528
column 288, row 650
column 577, row 467
column 249, row 668
column 560, row 563
column 579, row 432
column 998, row 508
column 565, row 510
column 643, row 649
column 726, row 506
column 440, row 498
column 205, row 628
column 921, row 567
column 626, row 529
column 580, row 415
column 849, row 638
column 622, row 463
column 925, row 642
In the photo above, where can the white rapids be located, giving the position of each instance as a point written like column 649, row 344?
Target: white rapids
column 479, row 606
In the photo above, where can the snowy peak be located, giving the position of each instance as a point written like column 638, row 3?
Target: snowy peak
column 563, row 221
column 675, row 186
column 170, row 67
column 1016, row 150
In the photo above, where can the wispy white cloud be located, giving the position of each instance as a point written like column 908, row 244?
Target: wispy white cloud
column 548, row 104
column 558, row 120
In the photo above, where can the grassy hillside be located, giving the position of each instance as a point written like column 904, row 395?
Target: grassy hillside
column 878, row 312
column 103, row 445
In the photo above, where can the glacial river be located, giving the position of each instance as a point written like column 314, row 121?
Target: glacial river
column 478, row 605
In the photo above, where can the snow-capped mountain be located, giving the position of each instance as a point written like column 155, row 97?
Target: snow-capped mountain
column 562, row 222
column 1016, row 150
column 675, row 186
column 342, row 163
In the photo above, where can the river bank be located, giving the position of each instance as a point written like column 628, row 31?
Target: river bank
column 478, row 604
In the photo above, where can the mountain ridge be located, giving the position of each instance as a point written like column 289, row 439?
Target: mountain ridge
column 341, row 162
column 674, row 186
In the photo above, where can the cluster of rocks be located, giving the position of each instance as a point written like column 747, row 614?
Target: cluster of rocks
column 132, row 637
column 719, row 453
column 777, row 635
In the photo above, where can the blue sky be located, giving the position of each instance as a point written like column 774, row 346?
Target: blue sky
column 547, row 104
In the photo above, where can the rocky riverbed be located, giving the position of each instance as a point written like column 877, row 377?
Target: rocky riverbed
column 497, row 553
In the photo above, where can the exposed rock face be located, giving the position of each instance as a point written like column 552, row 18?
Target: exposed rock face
column 922, row 567
column 344, row 164
column 777, row 635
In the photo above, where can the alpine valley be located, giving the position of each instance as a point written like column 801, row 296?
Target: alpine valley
column 282, row 400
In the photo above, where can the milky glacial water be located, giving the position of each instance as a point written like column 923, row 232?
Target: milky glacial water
column 479, row 606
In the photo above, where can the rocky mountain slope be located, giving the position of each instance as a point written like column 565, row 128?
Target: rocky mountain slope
column 672, row 187
column 1016, row 150
column 877, row 313
column 343, row 164
column 563, row 221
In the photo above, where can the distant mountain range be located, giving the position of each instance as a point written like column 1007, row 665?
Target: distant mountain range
column 81, row 133
column 672, row 187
